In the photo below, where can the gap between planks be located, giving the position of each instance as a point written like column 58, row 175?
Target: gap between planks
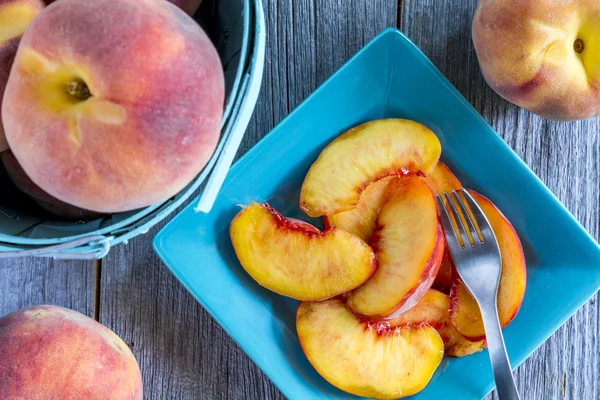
column 97, row 287
column 399, row 15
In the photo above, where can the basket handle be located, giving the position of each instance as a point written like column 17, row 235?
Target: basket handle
column 252, row 85
column 52, row 251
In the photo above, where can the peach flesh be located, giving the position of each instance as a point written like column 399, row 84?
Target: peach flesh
column 409, row 245
column 365, row 154
column 295, row 259
column 367, row 359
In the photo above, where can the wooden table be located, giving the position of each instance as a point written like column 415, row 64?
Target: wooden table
column 182, row 352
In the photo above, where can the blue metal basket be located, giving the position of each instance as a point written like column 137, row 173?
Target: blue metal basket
column 237, row 28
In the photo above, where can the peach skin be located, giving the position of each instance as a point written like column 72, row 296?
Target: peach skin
column 541, row 55
column 116, row 119
column 44, row 200
column 15, row 17
column 49, row 352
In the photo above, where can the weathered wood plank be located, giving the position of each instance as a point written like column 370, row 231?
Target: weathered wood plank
column 566, row 156
column 183, row 353
column 31, row 281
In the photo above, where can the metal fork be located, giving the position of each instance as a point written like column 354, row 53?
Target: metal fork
column 477, row 261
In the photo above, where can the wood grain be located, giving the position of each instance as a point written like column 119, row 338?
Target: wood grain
column 183, row 353
column 27, row 282
column 566, row 156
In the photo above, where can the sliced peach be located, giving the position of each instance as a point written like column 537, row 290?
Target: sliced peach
column 409, row 245
column 464, row 312
column 363, row 155
column 456, row 345
column 361, row 221
column 366, row 359
column 295, row 259
column 439, row 181
column 433, row 310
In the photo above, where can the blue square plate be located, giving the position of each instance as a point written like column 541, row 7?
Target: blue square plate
column 390, row 77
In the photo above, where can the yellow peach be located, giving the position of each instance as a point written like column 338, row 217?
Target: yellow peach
column 49, row 352
column 114, row 105
column 541, row 55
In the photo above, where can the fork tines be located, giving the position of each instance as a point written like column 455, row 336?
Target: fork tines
column 467, row 219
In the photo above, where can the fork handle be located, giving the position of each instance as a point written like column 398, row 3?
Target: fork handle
column 505, row 381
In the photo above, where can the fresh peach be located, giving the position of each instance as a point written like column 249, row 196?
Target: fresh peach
column 367, row 359
column 189, row 6
column 363, row 155
column 409, row 244
column 439, row 181
column 433, row 310
column 456, row 345
column 15, row 17
column 361, row 220
column 541, row 55
column 295, row 259
column 464, row 312
column 49, row 352
column 114, row 119
column 47, row 202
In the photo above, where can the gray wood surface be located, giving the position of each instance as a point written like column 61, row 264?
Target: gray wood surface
column 32, row 281
column 183, row 353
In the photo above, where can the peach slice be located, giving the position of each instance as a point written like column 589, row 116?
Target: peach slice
column 366, row 359
column 464, row 312
column 433, row 310
column 439, row 181
column 362, row 155
column 295, row 259
column 361, row 221
column 409, row 245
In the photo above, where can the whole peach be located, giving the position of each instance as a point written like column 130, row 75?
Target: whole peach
column 49, row 352
column 15, row 16
column 114, row 105
column 541, row 55
column 47, row 202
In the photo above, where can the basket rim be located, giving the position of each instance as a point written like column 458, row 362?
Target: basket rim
column 158, row 211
